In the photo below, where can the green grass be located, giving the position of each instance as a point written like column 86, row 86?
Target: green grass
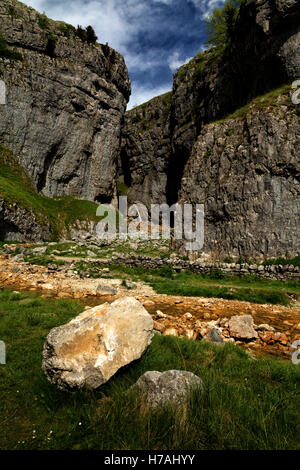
column 42, row 260
column 166, row 281
column 264, row 101
column 283, row 261
column 122, row 188
column 43, row 21
column 246, row 405
column 61, row 212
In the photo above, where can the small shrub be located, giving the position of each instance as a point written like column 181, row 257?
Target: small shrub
column 242, row 260
column 122, row 188
column 81, row 33
column 7, row 53
column 106, row 50
column 67, row 29
column 43, row 21
column 12, row 11
column 283, row 261
column 217, row 274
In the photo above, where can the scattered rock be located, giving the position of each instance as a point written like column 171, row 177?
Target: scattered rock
column 160, row 314
column 187, row 316
column 241, row 326
column 265, row 327
column 190, row 334
column 158, row 327
column 171, row 332
column 106, row 290
column 18, row 258
column 213, row 336
column 41, row 250
column 170, row 386
column 91, row 348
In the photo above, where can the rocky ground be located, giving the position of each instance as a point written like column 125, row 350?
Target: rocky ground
column 264, row 329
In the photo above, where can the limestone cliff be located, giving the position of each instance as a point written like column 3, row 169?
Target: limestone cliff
column 246, row 172
column 65, row 104
column 145, row 151
column 246, row 168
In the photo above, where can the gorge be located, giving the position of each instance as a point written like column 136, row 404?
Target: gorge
column 227, row 135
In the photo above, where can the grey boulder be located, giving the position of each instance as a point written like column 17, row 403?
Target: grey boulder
column 172, row 386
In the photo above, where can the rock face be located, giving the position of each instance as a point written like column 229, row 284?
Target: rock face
column 172, row 386
column 246, row 173
column 91, row 348
column 65, row 104
column 242, row 326
column 18, row 224
column 245, row 169
column 145, row 151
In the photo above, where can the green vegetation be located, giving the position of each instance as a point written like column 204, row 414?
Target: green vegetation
column 166, row 281
column 68, row 30
column 87, row 35
column 221, row 25
column 61, row 212
column 12, row 11
column 167, row 99
column 91, row 37
column 122, row 189
column 264, row 101
column 283, row 261
column 43, row 21
column 247, row 404
column 7, row 53
column 42, row 260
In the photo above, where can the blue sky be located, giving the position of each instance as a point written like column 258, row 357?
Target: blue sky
column 155, row 36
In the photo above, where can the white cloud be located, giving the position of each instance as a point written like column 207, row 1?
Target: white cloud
column 143, row 94
column 206, row 7
column 106, row 17
column 118, row 22
column 165, row 2
column 175, row 62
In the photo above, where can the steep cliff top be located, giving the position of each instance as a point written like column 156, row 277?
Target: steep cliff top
column 27, row 29
column 149, row 114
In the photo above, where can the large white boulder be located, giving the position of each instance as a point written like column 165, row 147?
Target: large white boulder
column 91, row 348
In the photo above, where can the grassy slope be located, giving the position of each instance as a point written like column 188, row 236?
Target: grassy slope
column 270, row 99
column 16, row 187
column 246, row 405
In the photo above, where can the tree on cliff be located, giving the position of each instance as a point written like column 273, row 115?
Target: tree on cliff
column 91, row 35
column 221, row 24
column 88, row 35
column 81, row 33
